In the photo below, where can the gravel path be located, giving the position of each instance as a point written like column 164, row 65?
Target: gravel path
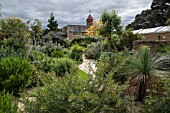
column 88, row 66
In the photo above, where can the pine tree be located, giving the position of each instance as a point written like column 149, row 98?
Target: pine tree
column 154, row 17
column 53, row 25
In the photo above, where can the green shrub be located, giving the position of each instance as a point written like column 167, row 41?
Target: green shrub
column 15, row 74
column 57, row 54
column 61, row 66
column 158, row 101
column 114, row 64
column 94, row 50
column 6, row 104
column 83, row 41
column 163, row 48
column 72, row 94
column 126, row 40
column 77, row 53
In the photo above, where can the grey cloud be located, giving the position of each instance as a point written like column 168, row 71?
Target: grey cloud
column 71, row 11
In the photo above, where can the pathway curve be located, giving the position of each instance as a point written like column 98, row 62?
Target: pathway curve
column 88, row 66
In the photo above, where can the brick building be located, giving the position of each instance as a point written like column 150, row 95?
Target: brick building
column 157, row 33
column 79, row 30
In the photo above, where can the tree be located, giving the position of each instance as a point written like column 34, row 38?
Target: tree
column 14, row 27
column 111, row 25
column 143, row 66
column 93, row 30
column 53, row 25
column 36, row 31
column 156, row 16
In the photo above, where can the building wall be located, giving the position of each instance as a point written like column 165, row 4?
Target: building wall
column 163, row 36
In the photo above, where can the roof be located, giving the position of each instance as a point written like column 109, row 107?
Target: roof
column 160, row 29
column 77, row 28
column 52, row 34
column 89, row 17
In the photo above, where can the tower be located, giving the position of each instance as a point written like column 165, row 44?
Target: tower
column 89, row 20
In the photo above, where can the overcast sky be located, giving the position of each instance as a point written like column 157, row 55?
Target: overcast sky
column 71, row 11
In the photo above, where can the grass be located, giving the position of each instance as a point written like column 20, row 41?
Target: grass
column 83, row 75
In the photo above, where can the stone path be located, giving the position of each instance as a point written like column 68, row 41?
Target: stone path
column 88, row 66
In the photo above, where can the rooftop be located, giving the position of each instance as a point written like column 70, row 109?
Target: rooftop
column 160, row 29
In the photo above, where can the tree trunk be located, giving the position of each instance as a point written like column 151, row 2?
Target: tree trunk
column 142, row 90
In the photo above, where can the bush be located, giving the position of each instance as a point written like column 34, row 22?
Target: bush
column 114, row 64
column 57, row 54
column 61, row 66
column 15, row 74
column 127, row 39
column 72, row 94
column 77, row 53
column 6, row 104
column 83, row 41
column 94, row 50
column 158, row 101
column 163, row 48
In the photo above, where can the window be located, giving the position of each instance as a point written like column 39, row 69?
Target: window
column 76, row 33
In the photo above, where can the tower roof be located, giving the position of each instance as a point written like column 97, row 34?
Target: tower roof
column 90, row 17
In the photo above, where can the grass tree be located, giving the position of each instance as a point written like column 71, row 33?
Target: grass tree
column 143, row 74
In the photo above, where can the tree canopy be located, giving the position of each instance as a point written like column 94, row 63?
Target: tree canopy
column 111, row 24
column 14, row 27
column 156, row 16
column 53, row 25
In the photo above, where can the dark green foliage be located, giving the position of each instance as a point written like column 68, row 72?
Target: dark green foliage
column 50, row 47
column 72, row 94
column 14, row 27
column 18, row 44
column 57, row 54
column 156, row 16
column 77, row 53
column 15, row 74
column 83, row 41
column 36, row 32
column 163, row 48
column 114, row 64
column 126, row 40
column 94, row 50
column 158, row 101
column 53, row 25
column 6, row 103
column 63, row 66
column 8, row 52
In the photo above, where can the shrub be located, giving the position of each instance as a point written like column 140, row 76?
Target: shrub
column 127, row 39
column 57, row 54
column 15, row 74
column 94, row 50
column 158, row 101
column 6, row 104
column 77, row 53
column 72, row 94
column 83, row 41
column 114, row 64
column 163, row 48
column 61, row 66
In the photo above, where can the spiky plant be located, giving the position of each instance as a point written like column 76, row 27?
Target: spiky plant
column 142, row 71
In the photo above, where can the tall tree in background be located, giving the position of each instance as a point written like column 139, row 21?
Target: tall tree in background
column 14, row 27
column 156, row 16
column 111, row 25
column 36, row 31
column 53, row 25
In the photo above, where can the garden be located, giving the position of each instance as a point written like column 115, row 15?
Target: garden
column 39, row 76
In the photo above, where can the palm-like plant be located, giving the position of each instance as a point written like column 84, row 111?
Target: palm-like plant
column 143, row 71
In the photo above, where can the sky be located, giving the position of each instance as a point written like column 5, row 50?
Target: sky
column 71, row 11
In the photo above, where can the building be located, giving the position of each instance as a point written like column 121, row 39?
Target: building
column 157, row 33
column 79, row 30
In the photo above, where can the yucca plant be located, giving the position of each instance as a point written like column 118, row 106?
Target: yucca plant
column 142, row 72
